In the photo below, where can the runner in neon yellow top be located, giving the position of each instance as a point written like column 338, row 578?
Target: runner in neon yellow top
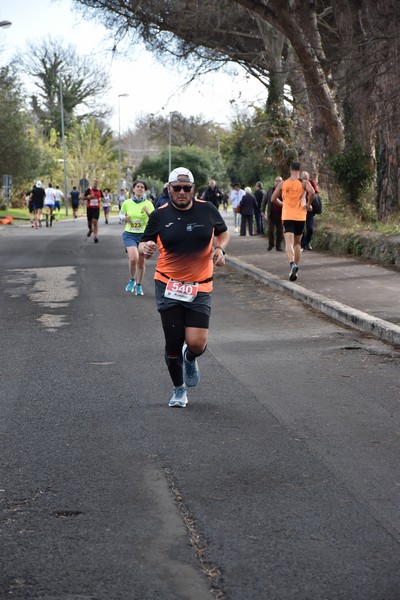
column 135, row 213
column 138, row 213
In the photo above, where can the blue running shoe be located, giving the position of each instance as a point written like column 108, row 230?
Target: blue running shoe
column 131, row 286
column 179, row 397
column 191, row 373
column 293, row 272
column 139, row 290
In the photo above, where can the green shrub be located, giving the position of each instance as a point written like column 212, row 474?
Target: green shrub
column 353, row 173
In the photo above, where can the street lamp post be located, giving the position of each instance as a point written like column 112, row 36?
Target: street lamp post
column 171, row 114
column 7, row 179
column 63, row 147
column 218, row 140
column 119, row 141
column 169, row 144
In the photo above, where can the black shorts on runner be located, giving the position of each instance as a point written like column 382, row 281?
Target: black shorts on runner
column 93, row 213
column 296, row 227
column 201, row 304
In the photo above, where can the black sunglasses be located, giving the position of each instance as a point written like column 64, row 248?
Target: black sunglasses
column 185, row 188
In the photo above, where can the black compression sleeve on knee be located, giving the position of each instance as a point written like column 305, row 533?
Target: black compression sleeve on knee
column 174, row 332
column 191, row 356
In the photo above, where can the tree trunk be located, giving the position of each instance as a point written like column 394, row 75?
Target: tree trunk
column 388, row 169
column 297, row 24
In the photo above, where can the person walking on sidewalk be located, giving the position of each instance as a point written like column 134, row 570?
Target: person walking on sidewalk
column 273, row 213
column 135, row 213
column 213, row 194
column 294, row 212
column 93, row 197
column 191, row 236
column 308, row 233
column 248, row 205
column 236, row 195
column 259, row 195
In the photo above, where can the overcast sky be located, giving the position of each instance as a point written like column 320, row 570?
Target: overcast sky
column 151, row 87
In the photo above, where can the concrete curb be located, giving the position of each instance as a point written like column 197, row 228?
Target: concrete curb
column 384, row 330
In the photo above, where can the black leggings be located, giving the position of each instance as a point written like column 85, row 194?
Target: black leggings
column 174, row 321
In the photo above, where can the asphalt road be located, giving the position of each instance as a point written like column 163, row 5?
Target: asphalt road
column 279, row 481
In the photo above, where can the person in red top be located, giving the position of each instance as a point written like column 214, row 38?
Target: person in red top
column 191, row 236
column 307, row 235
column 93, row 198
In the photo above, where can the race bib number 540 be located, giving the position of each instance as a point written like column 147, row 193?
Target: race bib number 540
column 179, row 290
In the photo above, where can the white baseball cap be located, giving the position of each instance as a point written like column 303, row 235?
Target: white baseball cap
column 38, row 184
column 181, row 174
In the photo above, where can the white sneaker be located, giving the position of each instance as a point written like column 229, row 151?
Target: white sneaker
column 179, row 397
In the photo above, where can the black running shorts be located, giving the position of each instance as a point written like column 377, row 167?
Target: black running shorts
column 296, row 227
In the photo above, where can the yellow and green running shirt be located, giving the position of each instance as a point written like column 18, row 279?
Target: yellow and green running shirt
column 138, row 216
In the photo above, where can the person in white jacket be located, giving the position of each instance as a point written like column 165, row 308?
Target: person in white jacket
column 236, row 195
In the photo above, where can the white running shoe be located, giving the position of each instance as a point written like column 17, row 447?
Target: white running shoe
column 179, row 397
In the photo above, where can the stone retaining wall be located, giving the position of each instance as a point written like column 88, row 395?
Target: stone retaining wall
column 371, row 246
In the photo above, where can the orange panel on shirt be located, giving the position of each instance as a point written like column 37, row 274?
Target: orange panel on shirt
column 292, row 194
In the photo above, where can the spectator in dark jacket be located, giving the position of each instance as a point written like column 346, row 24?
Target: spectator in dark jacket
column 213, row 194
column 259, row 195
column 163, row 198
column 248, row 206
column 273, row 213
column 307, row 235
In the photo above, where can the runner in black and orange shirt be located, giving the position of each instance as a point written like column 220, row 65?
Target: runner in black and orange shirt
column 93, row 198
column 191, row 236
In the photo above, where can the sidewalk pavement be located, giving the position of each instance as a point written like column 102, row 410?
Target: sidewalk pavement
column 361, row 295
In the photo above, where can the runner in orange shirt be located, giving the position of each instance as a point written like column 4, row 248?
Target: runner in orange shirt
column 191, row 236
column 294, row 213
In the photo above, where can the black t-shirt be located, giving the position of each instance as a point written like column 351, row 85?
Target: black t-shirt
column 38, row 196
column 184, row 239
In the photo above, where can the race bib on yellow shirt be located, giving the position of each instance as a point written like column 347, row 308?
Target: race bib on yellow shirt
column 135, row 225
